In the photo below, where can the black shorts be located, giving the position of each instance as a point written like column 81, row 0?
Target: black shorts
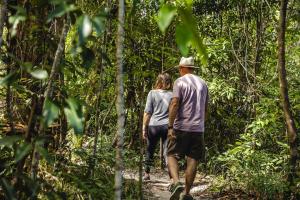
column 189, row 144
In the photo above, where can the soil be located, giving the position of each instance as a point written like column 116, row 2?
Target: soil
column 157, row 187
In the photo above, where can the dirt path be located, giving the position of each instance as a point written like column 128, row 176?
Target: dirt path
column 157, row 187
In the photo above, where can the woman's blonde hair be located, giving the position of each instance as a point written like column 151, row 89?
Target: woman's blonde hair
column 163, row 81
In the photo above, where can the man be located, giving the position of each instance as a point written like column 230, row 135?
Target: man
column 186, row 127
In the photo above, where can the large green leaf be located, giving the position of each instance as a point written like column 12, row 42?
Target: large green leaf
column 50, row 112
column 39, row 74
column 98, row 24
column 43, row 152
column 190, row 24
column 183, row 38
column 8, row 190
column 22, row 151
column 7, row 79
column 9, row 140
column 165, row 16
column 74, row 115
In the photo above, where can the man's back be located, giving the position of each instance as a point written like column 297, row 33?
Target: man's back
column 192, row 93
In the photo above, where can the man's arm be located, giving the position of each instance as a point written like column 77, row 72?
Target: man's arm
column 173, row 109
column 206, row 107
column 146, row 121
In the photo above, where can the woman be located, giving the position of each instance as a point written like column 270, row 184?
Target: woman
column 155, row 122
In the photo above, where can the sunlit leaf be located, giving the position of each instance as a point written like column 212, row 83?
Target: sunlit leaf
column 165, row 16
column 183, row 39
column 190, row 24
column 84, row 28
column 200, row 47
column 39, row 74
column 50, row 112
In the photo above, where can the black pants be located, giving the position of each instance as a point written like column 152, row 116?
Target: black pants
column 154, row 135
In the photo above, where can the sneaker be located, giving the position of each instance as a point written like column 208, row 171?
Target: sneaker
column 175, row 190
column 146, row 177
column 186, row 197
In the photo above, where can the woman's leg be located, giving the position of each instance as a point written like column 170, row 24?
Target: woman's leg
column 152, row 140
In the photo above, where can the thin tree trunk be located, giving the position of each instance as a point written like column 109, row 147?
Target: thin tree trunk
column 291, row 128
column 9, row 67
column 141, row 113
column 97, row 117
column 57, row 60
column 2, row 19
column 120, row 102
column 48, row 91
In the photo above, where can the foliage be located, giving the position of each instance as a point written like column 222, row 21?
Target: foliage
column 236, row 42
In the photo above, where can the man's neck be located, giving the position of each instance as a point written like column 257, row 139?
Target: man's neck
column 186, row 73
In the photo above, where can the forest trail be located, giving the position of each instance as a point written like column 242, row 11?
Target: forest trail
column 157, row 187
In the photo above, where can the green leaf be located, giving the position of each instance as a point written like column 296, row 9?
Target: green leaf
column 44, row 153
column 8, row 189
column 7, row 79
column 61, row 9
column 183, row 39
column 165, row 16
column 22, row 151
column 16, row 19
column 190, row 24
column 201, row 49
column 39, row 74
column 98, row 24
column 74, row 115
column 50, row 112
column 189, row 2
column 9, row 140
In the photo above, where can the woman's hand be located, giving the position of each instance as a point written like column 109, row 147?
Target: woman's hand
column 145, row 135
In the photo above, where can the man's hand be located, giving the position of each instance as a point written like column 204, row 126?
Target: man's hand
column 173, row 109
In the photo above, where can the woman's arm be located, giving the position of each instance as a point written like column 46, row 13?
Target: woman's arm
column 146, row 121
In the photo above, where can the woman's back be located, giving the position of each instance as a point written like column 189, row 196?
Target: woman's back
column 158, row 106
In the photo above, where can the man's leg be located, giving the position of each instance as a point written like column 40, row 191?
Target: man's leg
column 190, row 173
column 173, row 168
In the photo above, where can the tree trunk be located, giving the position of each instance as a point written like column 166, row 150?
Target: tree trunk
column 2, row 19
column 141, row 113
column 120, row 102
column 48, row 91
column 291, row 128
column 9, row 67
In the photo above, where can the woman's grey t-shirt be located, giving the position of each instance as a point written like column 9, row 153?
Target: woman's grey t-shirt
column 158, row 106
column 192, row 92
